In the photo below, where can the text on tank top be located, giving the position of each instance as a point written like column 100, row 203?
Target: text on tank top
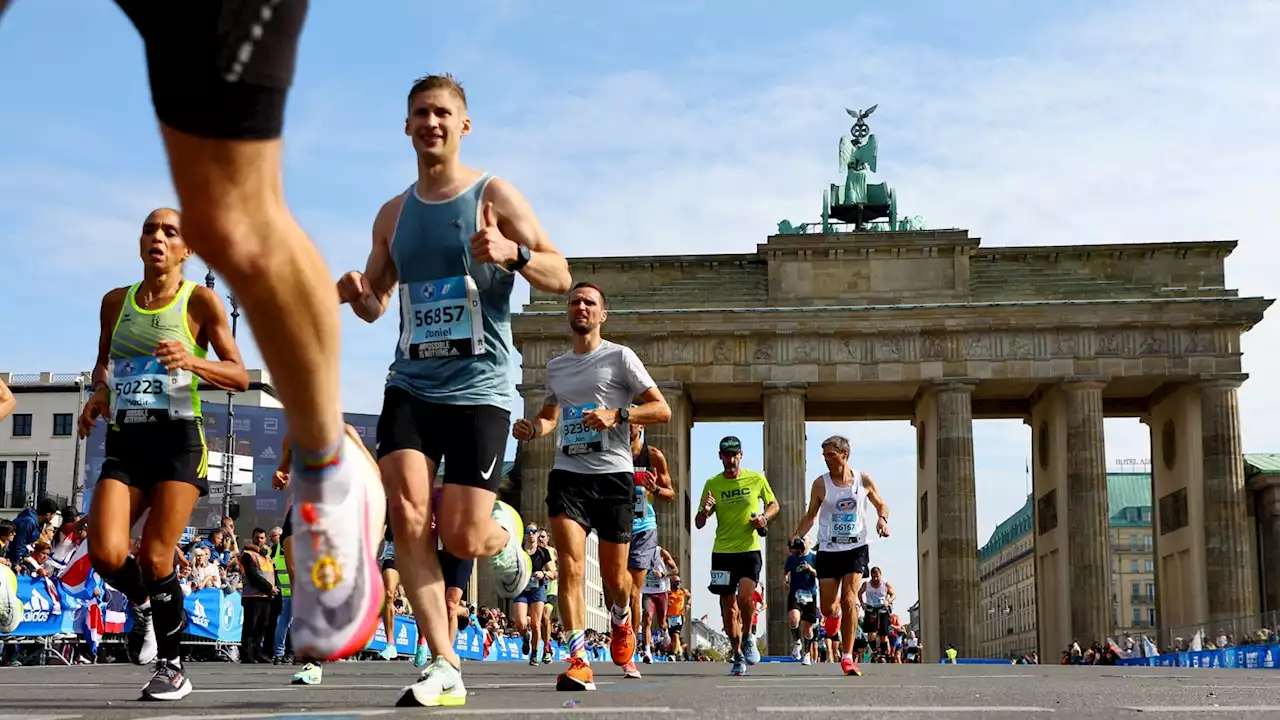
column 876, row 595
column 643, row 515
column 840, row 525
column 142, row 390
column 455, row 314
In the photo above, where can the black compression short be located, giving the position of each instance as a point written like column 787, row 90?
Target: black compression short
column 218, row 68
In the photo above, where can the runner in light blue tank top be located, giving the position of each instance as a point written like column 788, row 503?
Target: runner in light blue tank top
column 450, row 246
column 455, row 314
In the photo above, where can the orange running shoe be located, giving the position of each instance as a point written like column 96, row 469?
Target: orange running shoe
column 577, row 677
column 623, row 644
column 850, row 667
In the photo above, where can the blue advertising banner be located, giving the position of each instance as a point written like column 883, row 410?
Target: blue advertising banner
column 259, row 433
column 44, row 613
column 1245, row 656
column 215, row 615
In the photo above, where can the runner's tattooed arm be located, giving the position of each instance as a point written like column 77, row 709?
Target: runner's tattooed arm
column 515, row 221
column 7, row 401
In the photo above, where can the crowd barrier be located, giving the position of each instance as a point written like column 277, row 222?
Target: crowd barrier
column 1244, row 656
column 218, row 616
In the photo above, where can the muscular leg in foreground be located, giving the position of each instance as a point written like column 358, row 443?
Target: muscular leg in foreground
column 409, row 476
column 236, row 219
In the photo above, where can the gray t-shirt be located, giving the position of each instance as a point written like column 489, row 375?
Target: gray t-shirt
column 608, row 378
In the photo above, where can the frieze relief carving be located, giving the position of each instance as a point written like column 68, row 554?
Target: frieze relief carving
column 896, row 348
column 889, row 349
column 850, row 350
column 1154, row 342
column 1109, row 342
column 1019, row 345
column 804, row 351
column 722, row 352
column 680, row 350
column 763, row 351
column 1199, row 343
column 977, row 346
column 1067, row 343
column 932, row 347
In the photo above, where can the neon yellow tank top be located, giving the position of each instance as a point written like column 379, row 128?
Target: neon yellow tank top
column 142, row 390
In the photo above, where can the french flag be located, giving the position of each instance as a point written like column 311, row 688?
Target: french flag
column 77, row 576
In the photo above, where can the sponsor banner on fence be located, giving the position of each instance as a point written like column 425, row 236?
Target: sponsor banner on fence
column 216, row 615
column 1245, row 656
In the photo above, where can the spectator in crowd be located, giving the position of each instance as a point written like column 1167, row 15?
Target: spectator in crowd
column 34, row 564
column 27, row 528
column 6, row 539
column 204, row 573
column 259, row 587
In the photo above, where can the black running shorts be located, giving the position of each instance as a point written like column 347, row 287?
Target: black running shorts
column 472, row 439
column 148, row 454
column 808, row 610
column 732, row 568
column 603, row 503
column 876, row 621
column 457, row 572
column 835, row 565
column 220, row 68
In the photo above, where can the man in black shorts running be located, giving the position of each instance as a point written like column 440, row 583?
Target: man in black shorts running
column 219, row 76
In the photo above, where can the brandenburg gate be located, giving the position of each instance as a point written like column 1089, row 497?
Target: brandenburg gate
column 859, row 318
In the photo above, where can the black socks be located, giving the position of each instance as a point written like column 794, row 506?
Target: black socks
column 128, row 580
column 167, row 616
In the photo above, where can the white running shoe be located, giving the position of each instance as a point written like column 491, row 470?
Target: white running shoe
column 512, row 567
column 440, row 685
column 338, row 593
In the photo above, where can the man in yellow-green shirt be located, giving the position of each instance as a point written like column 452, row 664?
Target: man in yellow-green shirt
column 735, row 497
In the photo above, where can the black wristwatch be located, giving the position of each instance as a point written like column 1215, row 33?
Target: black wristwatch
column 624, row 415
column 523, row 256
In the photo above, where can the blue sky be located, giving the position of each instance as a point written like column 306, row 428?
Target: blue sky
column 674, row 125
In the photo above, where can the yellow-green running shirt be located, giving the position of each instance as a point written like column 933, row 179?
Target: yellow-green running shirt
column 736, row 498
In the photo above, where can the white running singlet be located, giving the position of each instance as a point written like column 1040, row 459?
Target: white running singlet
column 876, row 595
column 842, row 517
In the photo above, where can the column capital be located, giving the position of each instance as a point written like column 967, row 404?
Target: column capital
column 1258, row 483
column 1085, row 382
column 1226, row 381
column 954, row 385
column 671, row 387
column 527, row 388
column 775, row 387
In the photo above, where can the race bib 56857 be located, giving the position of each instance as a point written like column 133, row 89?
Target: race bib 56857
column 441, row 318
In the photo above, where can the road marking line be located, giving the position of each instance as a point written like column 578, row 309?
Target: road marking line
column 39, row 717
column 278, row 714
column 1207, row 709
column 506, row 712
column 932, row 709
column 829, row 684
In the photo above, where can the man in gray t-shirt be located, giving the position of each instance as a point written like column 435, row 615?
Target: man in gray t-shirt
column 607, row 377
column 592, row 485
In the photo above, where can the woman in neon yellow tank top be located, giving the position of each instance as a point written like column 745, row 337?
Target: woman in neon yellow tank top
column 152, row 355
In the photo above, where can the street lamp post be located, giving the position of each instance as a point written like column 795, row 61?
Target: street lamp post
column 228, row 456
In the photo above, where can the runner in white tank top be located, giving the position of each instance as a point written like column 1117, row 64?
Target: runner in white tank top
column 839, row 500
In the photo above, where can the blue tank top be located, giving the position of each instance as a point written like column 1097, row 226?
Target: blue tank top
column 455, row 314
column 644, row 516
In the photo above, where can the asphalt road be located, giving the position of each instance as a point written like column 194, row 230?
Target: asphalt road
column 695, row 690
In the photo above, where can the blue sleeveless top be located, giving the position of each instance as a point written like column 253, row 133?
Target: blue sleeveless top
column 455, row 314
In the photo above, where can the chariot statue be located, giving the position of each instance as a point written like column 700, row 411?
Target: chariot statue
column 866, row 206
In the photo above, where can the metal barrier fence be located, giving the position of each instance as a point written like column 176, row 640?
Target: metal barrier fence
column 1247, row 630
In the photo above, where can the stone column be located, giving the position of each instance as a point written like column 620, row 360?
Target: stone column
column 1267, row 490
column 1088, row 549
column 784, row 465
column 1226, row 532
column 534, row 458
column 672, row 438
column 957, row 504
